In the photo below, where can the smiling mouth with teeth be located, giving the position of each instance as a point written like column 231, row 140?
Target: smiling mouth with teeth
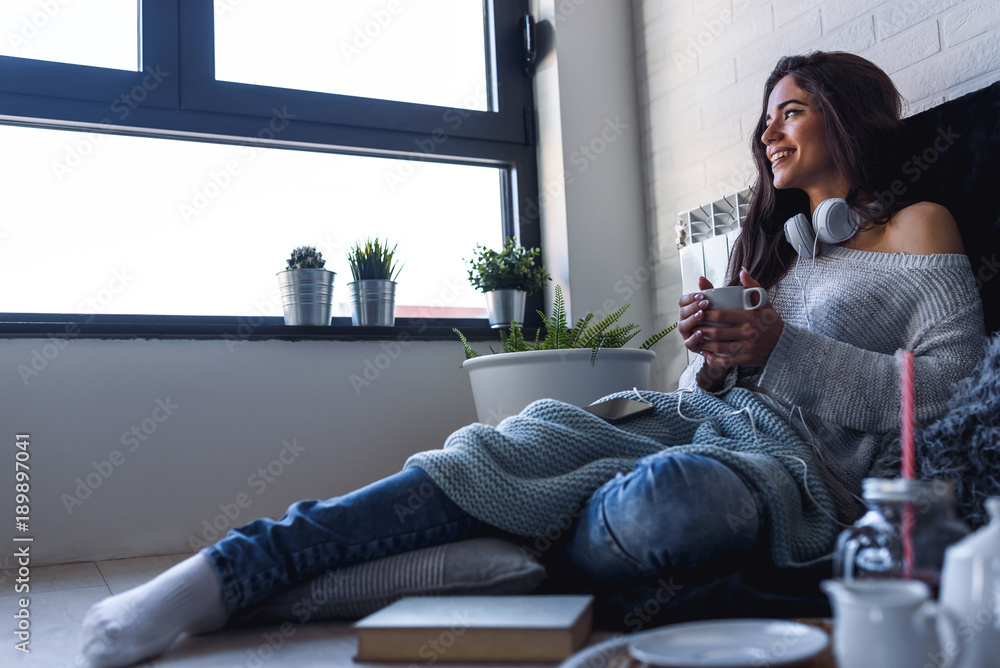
column 779, row 155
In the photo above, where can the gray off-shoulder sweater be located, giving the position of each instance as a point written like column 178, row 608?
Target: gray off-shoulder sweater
column 841, row 367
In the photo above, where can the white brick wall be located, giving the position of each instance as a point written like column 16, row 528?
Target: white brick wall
column 702, row 67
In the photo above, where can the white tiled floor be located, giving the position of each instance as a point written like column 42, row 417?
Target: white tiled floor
column 61, row 595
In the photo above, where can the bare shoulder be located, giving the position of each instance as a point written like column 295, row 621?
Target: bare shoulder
column 923, row 228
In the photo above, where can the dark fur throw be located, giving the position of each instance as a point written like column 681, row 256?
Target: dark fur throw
column 964, row 445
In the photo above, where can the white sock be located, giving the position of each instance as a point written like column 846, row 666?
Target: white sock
column 144, row 621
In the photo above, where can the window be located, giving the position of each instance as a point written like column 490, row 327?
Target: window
column 421, row 51
column 190, row 171
column 104, row 34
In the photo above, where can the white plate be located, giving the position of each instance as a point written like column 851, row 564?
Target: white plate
column 732, row 643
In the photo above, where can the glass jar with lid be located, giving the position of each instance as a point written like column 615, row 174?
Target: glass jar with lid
column 876, row 546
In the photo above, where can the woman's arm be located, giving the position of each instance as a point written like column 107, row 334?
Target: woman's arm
column 859, row 388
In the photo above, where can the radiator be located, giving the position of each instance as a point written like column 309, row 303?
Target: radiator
column 705, row 239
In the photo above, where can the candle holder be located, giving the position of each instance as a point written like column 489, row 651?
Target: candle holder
column 904, row 534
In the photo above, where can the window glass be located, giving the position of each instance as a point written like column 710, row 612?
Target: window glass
column 99, row 33
column 109, row 224
column 422, row 51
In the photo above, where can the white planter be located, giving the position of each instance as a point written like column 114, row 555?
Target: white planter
column 502, row 385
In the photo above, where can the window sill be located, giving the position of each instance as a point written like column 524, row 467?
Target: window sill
column 20, row 326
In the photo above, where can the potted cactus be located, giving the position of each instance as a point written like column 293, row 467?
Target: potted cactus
column 373, row 291
column 506, row 278
column 306, row 288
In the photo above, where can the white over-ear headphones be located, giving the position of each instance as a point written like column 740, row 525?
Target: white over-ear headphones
column 833, row 222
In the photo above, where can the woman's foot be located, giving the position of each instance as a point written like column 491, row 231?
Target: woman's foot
column 145, row 621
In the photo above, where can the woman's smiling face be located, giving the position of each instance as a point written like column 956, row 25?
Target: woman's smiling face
column 795, row 137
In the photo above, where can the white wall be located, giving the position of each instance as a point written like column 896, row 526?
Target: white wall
column 703, row 66
column 235, row 408
column 593, row 214
column 207, row 416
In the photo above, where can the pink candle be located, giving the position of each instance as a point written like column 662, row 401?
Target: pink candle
column 909, row 463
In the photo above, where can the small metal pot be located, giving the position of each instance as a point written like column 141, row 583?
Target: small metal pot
column 306, row 295
column 505, row 307
column 373, row 302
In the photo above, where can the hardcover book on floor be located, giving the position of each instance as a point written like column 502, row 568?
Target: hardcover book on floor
column 479, row 628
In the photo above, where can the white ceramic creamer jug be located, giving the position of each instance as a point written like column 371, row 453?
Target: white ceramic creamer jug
column 970, row 588
column 889, row 624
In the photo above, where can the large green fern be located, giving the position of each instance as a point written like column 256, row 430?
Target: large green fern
column 605, row 333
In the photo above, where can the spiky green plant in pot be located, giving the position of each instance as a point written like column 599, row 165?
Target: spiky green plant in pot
column 372, row 259
column 373, row 291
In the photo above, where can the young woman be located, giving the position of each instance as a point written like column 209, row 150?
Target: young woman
column 783, row 412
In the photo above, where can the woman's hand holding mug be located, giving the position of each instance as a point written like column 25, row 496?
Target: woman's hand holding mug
column 730, row 336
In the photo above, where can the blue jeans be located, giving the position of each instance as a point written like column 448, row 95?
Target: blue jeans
column 670, row 512
column 673, row 513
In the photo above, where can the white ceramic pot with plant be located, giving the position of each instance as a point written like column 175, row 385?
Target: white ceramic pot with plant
column 373, row 291
column 506, row 277
column 306, row 288
column 578, row 364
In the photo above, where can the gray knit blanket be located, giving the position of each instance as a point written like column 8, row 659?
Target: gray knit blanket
column 531, row 472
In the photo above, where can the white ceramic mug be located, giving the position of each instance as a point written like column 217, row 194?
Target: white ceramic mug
column 883, row 623
column 733, row 298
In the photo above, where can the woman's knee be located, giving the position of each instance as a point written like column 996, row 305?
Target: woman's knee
column 681, row 511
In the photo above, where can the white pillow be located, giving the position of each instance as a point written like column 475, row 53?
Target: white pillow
column 473, row 566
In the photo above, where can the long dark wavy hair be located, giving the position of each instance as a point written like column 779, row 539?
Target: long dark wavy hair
column 861, row 114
